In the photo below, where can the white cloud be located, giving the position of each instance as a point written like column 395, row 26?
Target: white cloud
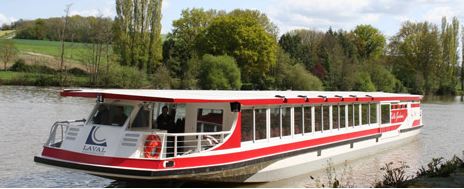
column 106, row 12
column 387, row 15
column 6, row 20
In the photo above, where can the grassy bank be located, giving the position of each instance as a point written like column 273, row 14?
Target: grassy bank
column 73, row 51
column 36, row 79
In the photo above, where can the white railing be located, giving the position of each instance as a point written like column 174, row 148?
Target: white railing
column 181, row 144
column 55, row 140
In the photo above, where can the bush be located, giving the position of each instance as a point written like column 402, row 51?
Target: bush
column 21, row 66
column 219, row 72
column 438, row 168
column 78, row 72
column 383, row 79
column 298, row 78
column 123, row 77
column 363, row 82
column 394, row 176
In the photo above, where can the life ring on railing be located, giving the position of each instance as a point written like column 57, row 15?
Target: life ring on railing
column 152, row 147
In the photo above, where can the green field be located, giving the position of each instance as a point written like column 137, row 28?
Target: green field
column 6, row 33
column 73, row 51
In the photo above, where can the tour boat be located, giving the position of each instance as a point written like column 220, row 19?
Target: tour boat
column 226, row 136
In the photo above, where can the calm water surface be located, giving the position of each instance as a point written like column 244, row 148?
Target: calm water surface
column 27, row 113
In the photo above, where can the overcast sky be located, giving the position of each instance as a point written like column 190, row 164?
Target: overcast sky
column 387, row 15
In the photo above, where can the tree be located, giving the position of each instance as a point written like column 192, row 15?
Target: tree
column 369, row 41
column 242, row 36
column 417, row 54
column 8, row 51
column 219, row 72
column 62, row 38
column 137, row 28
column 179, row 47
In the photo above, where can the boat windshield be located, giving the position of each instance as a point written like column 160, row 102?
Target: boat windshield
column 111, row 114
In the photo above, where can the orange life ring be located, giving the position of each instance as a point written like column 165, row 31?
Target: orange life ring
column 152, row 147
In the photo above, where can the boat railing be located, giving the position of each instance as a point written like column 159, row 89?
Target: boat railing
column 58, row 130
column 182, row 144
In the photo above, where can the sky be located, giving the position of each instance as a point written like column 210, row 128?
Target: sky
column 386, row 15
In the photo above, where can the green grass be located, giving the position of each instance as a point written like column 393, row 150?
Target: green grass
column 6, row 33
column 4, row 76
column 73, row 51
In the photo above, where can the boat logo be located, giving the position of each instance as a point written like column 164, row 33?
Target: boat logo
column 92, row 139
column 94, row 145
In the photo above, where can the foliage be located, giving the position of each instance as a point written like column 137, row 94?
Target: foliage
column 438, row 168
column 48, row 29
column 369, row 41
column 333, row 179
column 290, row 74
column 394, row 176
column 240, row 34
column 21, row 66
column 74, row 51
column 8, row 51
column 123, row 77
column 137, row 28
column 219, row 72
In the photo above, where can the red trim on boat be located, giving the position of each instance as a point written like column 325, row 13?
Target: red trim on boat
column 211, row 160
column 416, row 123
column 235, row 139
column 242, row 101
column 415, row 105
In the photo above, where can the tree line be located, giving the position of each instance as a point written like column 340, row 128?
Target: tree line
column 242, row 49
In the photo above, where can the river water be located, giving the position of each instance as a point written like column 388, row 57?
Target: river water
column 27, row 113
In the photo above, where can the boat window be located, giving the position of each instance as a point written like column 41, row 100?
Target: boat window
column 247, row 125
column 342, row 116
column 318, row 118
column 365, row 114
column 260, row 124
column 351, row 115
column 286, row 121
column 307, row 120
column 356, row 115
column 111, row 114
column 373, row 113
column 385, row 112
column 298, row 120
column 142, row 119
column 209, row 120
column 335, row 116
column 326, row 117
column 275, row 122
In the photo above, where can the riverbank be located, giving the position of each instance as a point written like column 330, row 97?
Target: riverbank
column 455, row 180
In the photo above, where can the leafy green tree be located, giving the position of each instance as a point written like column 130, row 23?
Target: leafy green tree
column 242, row 36
column 219, row 72
column 363, row 82
column 179, row 47
column 137, row 28
column 369, row 41
column 417, row 54
column 447, row 68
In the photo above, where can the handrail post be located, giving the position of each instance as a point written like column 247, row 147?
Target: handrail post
column 199, row 143
column 175, row 145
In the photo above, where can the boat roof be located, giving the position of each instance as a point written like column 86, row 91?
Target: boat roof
column 243, row 97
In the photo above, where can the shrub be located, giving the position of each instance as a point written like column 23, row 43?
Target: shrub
column 394, row 176
column 77, row 72
column 20, row 66
column 219, row 72
column 438, row 168
column 363, row 82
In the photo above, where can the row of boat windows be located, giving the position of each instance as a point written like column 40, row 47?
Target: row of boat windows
column 308, row 119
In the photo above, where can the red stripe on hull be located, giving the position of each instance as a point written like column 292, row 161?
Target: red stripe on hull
column 212, row 160
column 242, row 101
column 416, row 123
